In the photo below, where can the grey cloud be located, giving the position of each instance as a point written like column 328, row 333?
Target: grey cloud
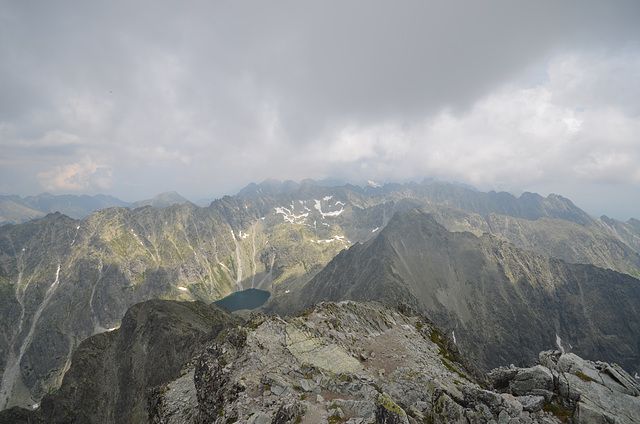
column 226, row 92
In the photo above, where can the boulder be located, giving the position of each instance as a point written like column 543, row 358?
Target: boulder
column 536, row 380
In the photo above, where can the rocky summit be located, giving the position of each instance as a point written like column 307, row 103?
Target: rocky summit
column 366, row 363
column 344, row 362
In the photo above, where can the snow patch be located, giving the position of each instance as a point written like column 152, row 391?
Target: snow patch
column 291, row 217
column 318, row 206
column 559, row 343
column 335, row 238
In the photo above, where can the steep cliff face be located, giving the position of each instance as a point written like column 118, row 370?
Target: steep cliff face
column 111, row 373
column 503, row 303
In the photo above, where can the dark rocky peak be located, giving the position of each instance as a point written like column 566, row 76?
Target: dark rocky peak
column 504, row 303
column 112, row 373
column 46, row 236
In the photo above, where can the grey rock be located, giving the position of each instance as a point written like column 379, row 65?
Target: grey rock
column 532, row 379
column 503, row 417
column 277, row 390
column 388, row 411
column 259, row 418
column 501, row 377
column 364, row 409
column 224, row 381
column 288, row 413
column 531, row 403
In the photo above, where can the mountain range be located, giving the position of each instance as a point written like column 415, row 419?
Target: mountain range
column 15, row 210
column 507, row 276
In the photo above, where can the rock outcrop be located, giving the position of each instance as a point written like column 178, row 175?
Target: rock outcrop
column 343, row 362
column 505, row 304
column 585, row 391
column 111, row 373
column 366, row 363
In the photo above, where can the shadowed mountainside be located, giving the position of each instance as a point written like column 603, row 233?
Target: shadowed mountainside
column 504, row 303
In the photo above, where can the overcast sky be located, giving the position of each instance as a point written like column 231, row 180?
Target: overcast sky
column 133, row 98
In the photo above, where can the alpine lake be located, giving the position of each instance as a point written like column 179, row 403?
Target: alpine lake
column 246, row 299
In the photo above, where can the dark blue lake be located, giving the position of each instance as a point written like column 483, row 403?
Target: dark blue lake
column 246, row 299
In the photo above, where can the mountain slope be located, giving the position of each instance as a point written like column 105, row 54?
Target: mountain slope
column 62, row 280
column 551, row 237
column 14, row 210
column 112, row 372
column 628, row 231
column 338, row 362
column 504, row 304
column 167, row 198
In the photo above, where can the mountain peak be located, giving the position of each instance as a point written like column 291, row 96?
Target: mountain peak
column 167, row 198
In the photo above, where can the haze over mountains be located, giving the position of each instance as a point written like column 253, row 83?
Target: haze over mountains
column 509, row 275
column 14, row 209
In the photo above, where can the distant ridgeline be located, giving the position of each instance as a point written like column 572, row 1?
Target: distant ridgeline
column 14, row 209
column 509, row 275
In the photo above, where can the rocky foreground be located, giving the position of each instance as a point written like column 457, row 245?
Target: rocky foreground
column 365, row 363
column 344, row 362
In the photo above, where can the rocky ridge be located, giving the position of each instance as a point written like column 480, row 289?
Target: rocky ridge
column 344, row 362
column 366, row 363
column 504, row 304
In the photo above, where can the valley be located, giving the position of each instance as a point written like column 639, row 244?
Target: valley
column 461, row 257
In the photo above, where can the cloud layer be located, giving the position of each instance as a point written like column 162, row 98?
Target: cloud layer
column 135, row 98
